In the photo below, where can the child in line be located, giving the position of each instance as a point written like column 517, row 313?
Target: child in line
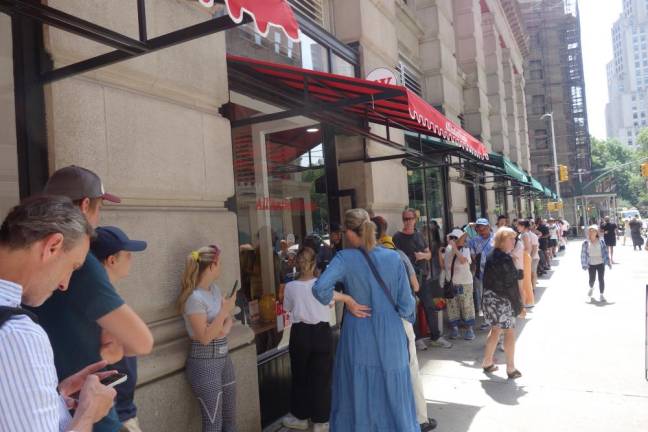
column 208, row 320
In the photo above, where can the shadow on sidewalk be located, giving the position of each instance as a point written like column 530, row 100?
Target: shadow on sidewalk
column 503, row 391
column 452, row 416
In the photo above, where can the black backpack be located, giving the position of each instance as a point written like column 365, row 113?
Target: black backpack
column 6, row 313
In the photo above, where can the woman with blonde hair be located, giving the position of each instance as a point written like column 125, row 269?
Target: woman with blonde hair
column 372, row 390
column 208, row 320
column 311, row 349
column 502, row 301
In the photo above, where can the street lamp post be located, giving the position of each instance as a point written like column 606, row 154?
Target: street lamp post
column 555, row 157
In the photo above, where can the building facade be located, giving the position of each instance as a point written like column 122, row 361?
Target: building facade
column 627, row 110
column 556, row 84
column 203, row 148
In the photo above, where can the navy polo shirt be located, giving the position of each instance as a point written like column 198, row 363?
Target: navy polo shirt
column 70, row 320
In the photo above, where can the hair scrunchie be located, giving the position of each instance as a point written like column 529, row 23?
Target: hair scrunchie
column 195, row 255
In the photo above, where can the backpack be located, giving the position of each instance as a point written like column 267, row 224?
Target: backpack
column 6, row 313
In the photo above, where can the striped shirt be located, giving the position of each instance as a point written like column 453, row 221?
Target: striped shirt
column 29, row 400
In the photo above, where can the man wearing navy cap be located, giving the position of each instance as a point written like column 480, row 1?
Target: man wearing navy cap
column 74, row 319
column 480, row 247
column 113, row 248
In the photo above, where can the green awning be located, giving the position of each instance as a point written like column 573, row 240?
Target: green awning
column 554, row 196
column 547, row 192
column 514, row 171
column 537, row 185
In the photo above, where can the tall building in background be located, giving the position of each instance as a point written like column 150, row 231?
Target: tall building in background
column 627, row 110
column 555, row 84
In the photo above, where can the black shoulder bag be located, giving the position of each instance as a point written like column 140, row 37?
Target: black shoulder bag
column 448, row 285
column 380, row 280
column 6, row 313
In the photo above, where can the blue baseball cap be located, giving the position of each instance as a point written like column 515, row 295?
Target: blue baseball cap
column 109, row 240
column 482, row 221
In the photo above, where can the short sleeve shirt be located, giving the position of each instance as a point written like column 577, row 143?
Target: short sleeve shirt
column 70, row 320
column 411, row 243
column 462, row 274
column 202, row 302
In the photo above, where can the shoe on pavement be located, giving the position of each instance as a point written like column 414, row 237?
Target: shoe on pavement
column 441, row 343
column 602, row 298
column 454, row 333
column 470, row 334
column 590, row 292
column 320, row 427
column 292, row 422
column 421, row 345
column 429, row 425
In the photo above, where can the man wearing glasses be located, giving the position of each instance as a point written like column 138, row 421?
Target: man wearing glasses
column 413, row 244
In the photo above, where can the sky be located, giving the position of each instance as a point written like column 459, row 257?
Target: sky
column 597, row 17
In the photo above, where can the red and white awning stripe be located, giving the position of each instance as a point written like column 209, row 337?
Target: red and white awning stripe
column 264, row 13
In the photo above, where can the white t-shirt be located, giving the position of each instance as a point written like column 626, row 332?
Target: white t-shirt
column 534, row 242
column 462, row 273
column 553, row 231
column 302, row 305
column 595, row 254
column 202, row 302
column 518, row 254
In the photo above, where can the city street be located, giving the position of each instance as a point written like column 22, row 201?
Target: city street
column 583, row 363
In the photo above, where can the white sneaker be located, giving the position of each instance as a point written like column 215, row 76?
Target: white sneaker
column 421, row 345
column 292, row 422
column 602, row 299
column 590, row 292
column 320, row 427
column 441, row 343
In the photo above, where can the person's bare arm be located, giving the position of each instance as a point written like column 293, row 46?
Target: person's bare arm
column 426, row 255
column 414, row 283
column 128, row 329
column 357, row 310
column 205, row 332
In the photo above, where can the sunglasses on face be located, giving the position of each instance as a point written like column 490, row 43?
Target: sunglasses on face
column 407, row 219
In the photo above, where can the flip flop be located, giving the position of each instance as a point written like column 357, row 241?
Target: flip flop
column 490, row 369
column 514, row 375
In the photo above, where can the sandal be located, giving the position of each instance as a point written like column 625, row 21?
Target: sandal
column 514, row 375
column 490, row 369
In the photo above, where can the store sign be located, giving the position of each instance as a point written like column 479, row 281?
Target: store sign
column 277, row 204
column 383, row 76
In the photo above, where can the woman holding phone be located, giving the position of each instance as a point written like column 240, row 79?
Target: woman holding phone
column 208, row 320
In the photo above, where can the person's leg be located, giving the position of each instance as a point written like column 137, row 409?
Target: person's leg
column 299, row 350
column 454, row 315
column 601, row 277
column 611, row 250
column 467, row 305
column 509, row 349
column 477, row 292
column 229, row 397
column 592, row 275
column 491, row 344
column 205, row 379
column 321, row 369
column 417, row 387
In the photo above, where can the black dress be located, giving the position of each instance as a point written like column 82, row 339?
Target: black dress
column 501, row 300
column 610, row 231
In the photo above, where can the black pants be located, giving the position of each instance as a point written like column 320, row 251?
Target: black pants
column 426, row 296
column 600, row 269
column 311, row 363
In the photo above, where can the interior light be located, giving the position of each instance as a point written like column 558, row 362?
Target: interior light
column 312, row 130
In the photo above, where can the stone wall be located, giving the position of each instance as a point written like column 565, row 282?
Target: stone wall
column 8, row 155
column 150, row 128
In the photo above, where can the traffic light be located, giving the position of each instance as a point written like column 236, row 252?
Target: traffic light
column 644, row 169
column 563, row 173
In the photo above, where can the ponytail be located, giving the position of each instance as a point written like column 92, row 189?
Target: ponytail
column 368, row 231
column 357, row 220
column 195, row 264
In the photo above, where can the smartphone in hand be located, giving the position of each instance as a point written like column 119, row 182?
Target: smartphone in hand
column 114, row 380
column 234, row 289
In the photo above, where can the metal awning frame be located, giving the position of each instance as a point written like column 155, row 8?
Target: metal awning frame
column 125, row 46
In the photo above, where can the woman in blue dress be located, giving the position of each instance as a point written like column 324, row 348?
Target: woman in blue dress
column 372, row 389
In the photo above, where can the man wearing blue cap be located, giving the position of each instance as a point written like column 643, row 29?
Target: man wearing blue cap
column 113, row 249
column 480, row 247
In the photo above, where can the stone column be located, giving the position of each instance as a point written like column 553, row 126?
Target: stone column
column 511, row 105
column 150, row 127
column 525, row 150
column 496, row 89
column 8, row 152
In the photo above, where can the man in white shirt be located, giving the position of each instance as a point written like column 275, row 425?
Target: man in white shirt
column 42, row 241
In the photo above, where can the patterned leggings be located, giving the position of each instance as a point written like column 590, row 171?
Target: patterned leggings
column 211, row 375
column 461, row 307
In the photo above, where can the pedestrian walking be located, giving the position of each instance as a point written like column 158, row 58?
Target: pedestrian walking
column 461, row 308
column 208, row 321
column 594, row 258
column 635, row 232
column 502, row 301
column 626, row 231
column 311, row 349
column 372, row 388
column 610, row 236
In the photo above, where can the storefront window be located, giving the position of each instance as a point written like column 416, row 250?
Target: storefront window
column 313, row 55
column 281, row 202
column 500, row 201
column 428, row 198
column 342, row 67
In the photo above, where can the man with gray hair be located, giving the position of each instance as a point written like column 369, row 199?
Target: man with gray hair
column 42, row 241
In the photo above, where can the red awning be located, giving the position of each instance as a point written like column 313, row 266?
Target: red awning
column 390, row 105
column 264, row 13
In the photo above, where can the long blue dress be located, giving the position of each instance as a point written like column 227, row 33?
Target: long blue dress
column 372, row 390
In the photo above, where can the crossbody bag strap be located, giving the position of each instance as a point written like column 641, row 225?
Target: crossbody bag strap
column 7, row 312
column 452, row 268
column 380, row 280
